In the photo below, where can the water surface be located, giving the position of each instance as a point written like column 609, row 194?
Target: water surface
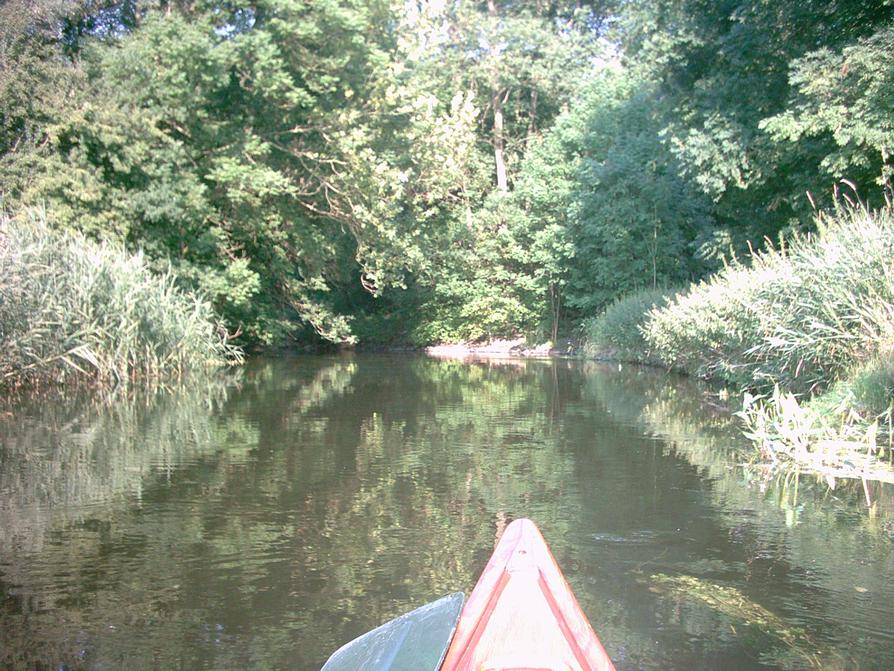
column 261, row 520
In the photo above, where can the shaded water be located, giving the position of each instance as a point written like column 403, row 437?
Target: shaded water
column 260, row 521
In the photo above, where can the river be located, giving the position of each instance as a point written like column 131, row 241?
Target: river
column 261, row 519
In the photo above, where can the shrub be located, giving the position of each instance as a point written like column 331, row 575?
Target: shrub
column 872, row 385
column 74, row 309
column 618, row 331
column 800, row 316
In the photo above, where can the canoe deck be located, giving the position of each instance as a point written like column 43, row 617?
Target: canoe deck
column 522, row 615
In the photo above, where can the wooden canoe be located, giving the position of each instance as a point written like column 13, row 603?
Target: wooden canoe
column 522, row 615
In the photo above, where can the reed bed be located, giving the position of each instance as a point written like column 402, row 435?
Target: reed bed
column 73, row 310
column 838, row 444
column 801, row 316
column 806, row 329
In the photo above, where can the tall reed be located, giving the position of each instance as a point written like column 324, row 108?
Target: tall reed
column 800, row 316
column 810, row 327
column 75, row 310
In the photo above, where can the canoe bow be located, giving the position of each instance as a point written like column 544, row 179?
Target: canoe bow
column 522, row 615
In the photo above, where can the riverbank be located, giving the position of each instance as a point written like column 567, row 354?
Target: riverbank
column 75, row 312
column 500, row 348
column 805, row 331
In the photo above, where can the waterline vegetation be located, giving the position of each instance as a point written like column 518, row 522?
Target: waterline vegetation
column 836, row 443
column 806, row 330
column 73, row 310
column 617, row 332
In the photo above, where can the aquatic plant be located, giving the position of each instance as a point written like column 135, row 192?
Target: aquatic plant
column 733, row 604
column 837, row 443
column 72, row 310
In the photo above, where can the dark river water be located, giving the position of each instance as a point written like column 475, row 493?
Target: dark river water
column 262, row 519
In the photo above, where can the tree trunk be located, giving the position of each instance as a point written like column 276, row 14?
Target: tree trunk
column 499, row 140
column 532, row 118
column 499, row 99
column 555, row 299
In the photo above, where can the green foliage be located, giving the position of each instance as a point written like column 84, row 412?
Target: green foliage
column 800, row 317
column 617, row 333
column 635, row 222
column 35, row 82
column 72, row 309
column 489, row 301
column 522, row 61
column 488, row 262
column 239, row 153
column 706, row 58
column 847, row 95
column 446, row 171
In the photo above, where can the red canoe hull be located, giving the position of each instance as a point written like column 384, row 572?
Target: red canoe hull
column 522, row 615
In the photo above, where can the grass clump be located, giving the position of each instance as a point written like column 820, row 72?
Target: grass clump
column 617, row 333
column 872, row 384
column 800, row 316
column 75, row 310
column 810, row 328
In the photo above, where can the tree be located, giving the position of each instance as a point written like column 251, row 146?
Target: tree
column 635, row 221
column 243, row 148
column 36, row 82
column 844, row 100
column 704, row 56
column 521, row 60
column 516, row 65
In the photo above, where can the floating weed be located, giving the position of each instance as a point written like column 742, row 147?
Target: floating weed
column 836, row 443
column 731, row 603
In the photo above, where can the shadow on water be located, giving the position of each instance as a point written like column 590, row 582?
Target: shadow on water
column 260, row 520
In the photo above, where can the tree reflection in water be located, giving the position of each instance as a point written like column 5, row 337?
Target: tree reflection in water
column 261, row 520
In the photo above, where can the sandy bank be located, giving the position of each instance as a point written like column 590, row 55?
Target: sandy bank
column 502, row 348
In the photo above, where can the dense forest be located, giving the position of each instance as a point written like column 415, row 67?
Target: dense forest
column 385, row 172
